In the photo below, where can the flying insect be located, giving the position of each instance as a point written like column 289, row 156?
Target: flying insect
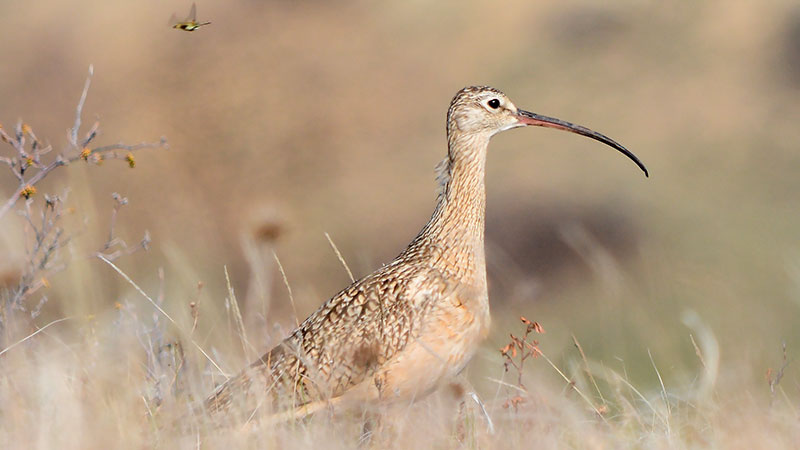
column 190, row 23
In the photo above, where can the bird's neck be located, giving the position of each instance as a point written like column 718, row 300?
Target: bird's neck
column 456, row 228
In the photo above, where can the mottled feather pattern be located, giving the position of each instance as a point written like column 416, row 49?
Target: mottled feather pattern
column 412, row 324
column 342, row 343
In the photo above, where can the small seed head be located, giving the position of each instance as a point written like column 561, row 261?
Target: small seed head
column 28, row 191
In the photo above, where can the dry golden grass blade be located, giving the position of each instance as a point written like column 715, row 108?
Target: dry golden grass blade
column 2, row 352
column 575, row 388
column 288, row 288
column 237, row 315
column 339, row 255
column 587, row 371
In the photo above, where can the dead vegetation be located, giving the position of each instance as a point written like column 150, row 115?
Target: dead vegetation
column 30, row 162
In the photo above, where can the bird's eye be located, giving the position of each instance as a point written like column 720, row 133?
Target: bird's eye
column 493, row 103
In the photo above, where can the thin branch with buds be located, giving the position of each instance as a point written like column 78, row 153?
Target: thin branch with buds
column 44, row 235
column 29, row 168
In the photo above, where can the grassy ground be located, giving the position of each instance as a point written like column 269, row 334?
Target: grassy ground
column 286, row 121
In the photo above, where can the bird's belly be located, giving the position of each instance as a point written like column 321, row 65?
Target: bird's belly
column 436, row 355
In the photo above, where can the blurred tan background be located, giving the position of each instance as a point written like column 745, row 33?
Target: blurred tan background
column 292, row 119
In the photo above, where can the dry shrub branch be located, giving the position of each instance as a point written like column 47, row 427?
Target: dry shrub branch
column 30, row 161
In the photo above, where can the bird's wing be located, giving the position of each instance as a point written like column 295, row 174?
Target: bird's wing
column 357, row 331
column 342, row 343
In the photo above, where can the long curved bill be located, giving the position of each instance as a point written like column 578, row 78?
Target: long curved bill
column 537, row 120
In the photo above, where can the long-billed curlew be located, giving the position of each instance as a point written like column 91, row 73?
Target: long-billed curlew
column 412, row 325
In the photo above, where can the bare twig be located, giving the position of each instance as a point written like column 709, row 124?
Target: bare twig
column 43, row 238
column 113, row 241
column 79, row 109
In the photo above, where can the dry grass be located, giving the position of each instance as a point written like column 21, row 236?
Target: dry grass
column 670, row 304
column 121, row 382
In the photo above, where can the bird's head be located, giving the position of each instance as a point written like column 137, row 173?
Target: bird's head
column 480, row 112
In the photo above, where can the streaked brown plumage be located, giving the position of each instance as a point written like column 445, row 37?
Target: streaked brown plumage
column 402, row 331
